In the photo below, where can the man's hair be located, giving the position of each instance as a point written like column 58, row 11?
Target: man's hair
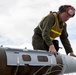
column 67, row 8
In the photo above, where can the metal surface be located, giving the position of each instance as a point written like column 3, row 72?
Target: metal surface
column 15, row 57
column 69, row 63
column 32, row 62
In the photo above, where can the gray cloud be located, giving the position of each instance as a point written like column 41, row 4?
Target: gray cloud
column 18, row 18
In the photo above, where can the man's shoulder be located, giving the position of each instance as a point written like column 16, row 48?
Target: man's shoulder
column 50, row 16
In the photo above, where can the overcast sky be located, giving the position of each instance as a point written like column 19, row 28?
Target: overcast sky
column 18, row 18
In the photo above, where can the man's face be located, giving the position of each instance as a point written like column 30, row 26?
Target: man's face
column 64, row 17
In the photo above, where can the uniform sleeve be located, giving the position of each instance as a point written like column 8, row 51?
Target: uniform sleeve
column 47, row 25
column 65, row 41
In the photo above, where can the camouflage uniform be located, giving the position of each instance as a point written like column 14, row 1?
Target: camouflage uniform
column 41, row 38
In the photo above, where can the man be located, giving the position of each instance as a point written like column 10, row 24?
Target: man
column 52, row 26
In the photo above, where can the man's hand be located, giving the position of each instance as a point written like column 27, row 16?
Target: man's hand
column 72, row 54
column 52, row 49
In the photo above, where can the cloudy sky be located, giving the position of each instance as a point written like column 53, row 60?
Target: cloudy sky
column 18, row 18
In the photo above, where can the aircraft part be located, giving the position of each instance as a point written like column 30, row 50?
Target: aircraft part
column 32, row 62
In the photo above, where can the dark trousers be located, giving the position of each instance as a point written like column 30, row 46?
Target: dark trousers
column 56, row 44
column 39, row 44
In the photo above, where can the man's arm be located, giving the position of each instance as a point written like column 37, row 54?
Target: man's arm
column 47, row 25
column 48, row 22
column 65, row 41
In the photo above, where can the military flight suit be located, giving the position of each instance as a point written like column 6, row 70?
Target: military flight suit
column 41, row 38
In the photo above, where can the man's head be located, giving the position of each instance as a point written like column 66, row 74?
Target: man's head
column 66, row 12
column 70, row 10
